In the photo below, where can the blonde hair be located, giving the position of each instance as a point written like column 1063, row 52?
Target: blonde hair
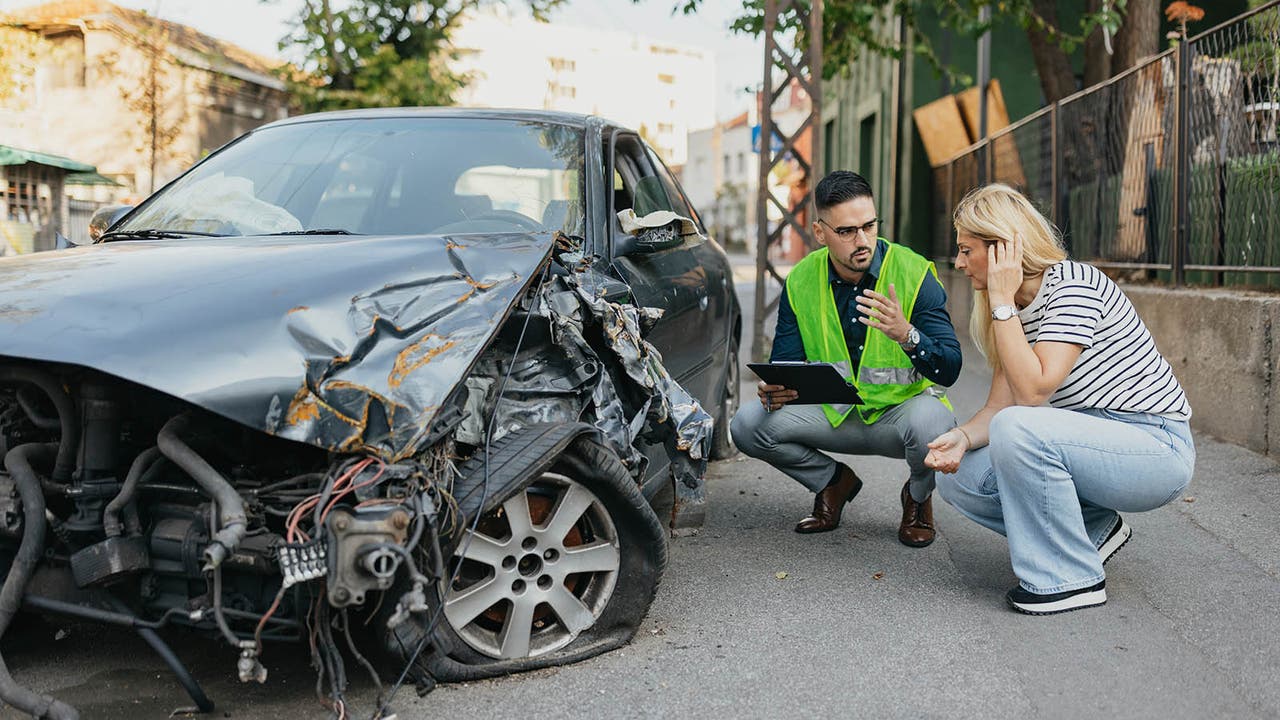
column 998, row 212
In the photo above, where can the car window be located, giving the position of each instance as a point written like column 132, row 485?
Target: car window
column 381, row 176
column 679, row 203
column 641, row 187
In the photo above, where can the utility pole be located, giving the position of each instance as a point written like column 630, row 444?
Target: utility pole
column 802, row 66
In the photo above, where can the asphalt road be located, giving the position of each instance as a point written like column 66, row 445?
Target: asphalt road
column 753, row 620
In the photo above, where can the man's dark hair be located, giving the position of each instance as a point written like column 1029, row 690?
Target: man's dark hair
column 840, row 186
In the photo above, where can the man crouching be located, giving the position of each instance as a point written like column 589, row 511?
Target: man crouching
column 877, row 311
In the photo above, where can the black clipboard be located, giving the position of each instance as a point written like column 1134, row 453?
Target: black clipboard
column 816, row 383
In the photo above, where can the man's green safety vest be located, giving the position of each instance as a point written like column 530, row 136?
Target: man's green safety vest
column 885, row 376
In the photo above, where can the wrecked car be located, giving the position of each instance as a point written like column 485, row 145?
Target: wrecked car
column 405, row 385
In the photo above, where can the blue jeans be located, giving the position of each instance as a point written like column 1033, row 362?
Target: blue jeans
column 1052, row 480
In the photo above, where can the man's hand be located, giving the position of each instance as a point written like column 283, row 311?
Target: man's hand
column 946, row 451
column 773, row 397
column 884, row 313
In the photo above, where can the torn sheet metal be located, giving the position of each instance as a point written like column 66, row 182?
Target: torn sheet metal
column 594, row 366
column 349, row 343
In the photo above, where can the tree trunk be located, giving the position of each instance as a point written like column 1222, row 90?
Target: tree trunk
column 1139, row 35
column 1097, row 63
column 1056, row 78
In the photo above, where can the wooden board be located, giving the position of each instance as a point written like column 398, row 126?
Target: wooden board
column 1008, row 164
column 942, row 129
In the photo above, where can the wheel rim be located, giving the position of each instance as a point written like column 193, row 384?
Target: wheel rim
column 536, row 572
column 731, row 387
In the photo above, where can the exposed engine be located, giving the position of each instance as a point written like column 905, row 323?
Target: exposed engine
column 124, row 505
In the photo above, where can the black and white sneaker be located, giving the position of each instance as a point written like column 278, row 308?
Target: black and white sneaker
column 1025, row 601
column 1120, row 535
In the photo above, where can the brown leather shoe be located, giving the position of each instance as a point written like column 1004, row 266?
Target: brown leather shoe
column 830, row 502
column 916, row 529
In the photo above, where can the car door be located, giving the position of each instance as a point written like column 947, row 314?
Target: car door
column 671, row 279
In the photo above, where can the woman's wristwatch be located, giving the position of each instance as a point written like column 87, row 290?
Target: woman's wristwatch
column 1003, row 312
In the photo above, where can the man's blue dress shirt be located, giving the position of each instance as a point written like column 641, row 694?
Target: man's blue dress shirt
column 937, row 357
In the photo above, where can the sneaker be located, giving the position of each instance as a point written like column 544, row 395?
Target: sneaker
column 1025, row 601
column 1120, row 535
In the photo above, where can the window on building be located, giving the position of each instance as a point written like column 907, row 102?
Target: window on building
column 562, row 64
column 666, row 79
column 727, row 160
column 742, row 162
column 666, row 128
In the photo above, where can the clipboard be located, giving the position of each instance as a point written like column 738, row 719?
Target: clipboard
column 816, row 383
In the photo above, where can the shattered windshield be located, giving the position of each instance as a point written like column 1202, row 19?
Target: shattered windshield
column 378, row 176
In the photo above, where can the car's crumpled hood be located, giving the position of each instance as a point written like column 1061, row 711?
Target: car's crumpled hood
column 347, row 343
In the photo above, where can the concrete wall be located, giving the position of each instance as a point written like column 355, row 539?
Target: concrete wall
column 1222, row 345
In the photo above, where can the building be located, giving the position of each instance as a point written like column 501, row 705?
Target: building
column 139, row 97
column 34, row 208
column 723, row 172
column 658, row 88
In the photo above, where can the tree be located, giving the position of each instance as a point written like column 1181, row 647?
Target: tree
column 20, row 54
column 853, row 28
column 363, row 53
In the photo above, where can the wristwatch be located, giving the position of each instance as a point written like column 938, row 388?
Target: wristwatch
column 1003, row 312
column 912, row 339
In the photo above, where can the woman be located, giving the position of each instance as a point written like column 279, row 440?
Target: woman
column 1114, row 436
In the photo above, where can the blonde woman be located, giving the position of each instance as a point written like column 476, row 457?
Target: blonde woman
column 1114, row 436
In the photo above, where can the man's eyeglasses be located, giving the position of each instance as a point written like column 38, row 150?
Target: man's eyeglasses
column 848, row 231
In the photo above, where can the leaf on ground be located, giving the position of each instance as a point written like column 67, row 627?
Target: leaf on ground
column 878, row 576
column 1189, row 499
column 780, row 575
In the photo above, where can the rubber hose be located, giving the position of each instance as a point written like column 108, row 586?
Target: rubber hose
column 230, row 505
column 111, row 515
column 70, row 441
column 18, row 462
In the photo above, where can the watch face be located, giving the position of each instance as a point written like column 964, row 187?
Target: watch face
column 1003, row 312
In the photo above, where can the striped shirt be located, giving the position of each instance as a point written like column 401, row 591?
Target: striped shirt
column 1120, row 368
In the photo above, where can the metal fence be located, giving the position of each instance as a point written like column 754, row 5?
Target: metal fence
column 1171, row 168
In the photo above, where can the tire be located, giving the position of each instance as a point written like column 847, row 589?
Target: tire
column 517, row 606
column 722, row 447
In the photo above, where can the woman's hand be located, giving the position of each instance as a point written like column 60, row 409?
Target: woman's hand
column 1004, row 270
column 773, row 397
column 946, row 451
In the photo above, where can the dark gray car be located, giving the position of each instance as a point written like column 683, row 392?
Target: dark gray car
column 399, row 373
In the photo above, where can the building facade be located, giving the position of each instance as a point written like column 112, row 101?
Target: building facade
column 657, row 88
column 138, row 97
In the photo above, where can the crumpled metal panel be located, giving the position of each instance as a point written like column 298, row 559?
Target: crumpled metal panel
column 626, row 393
column 348, row 343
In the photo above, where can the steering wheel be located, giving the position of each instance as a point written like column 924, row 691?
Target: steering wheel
column 511, row 216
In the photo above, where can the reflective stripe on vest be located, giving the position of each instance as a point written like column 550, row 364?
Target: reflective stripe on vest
column 885, row 376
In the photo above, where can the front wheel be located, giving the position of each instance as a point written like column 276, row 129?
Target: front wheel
column 722, row 446
column 564, row 569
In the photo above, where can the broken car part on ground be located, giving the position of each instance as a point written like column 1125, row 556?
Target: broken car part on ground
column 417, row 453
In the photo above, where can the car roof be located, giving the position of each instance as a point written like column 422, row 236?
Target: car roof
column 543, row 116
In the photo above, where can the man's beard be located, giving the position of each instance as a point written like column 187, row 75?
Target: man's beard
column 853, row 264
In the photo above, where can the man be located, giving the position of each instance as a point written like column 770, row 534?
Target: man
column 878, row 311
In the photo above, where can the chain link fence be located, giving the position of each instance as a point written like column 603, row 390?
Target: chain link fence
column 1170, row 169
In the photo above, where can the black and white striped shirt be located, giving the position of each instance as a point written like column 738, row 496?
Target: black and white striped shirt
column 1120, row 368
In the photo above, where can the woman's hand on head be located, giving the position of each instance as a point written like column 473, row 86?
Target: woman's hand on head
column 1004, row 270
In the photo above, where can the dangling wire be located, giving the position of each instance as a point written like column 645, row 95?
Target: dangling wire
column 484, row 494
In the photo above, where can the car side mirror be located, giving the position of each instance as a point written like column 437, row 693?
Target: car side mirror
column 104, row 217
column 649, row 240
column 62, row 242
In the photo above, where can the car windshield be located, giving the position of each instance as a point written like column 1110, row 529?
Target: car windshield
column 378, row 176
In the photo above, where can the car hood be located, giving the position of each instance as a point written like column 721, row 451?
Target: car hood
column 347, row 343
